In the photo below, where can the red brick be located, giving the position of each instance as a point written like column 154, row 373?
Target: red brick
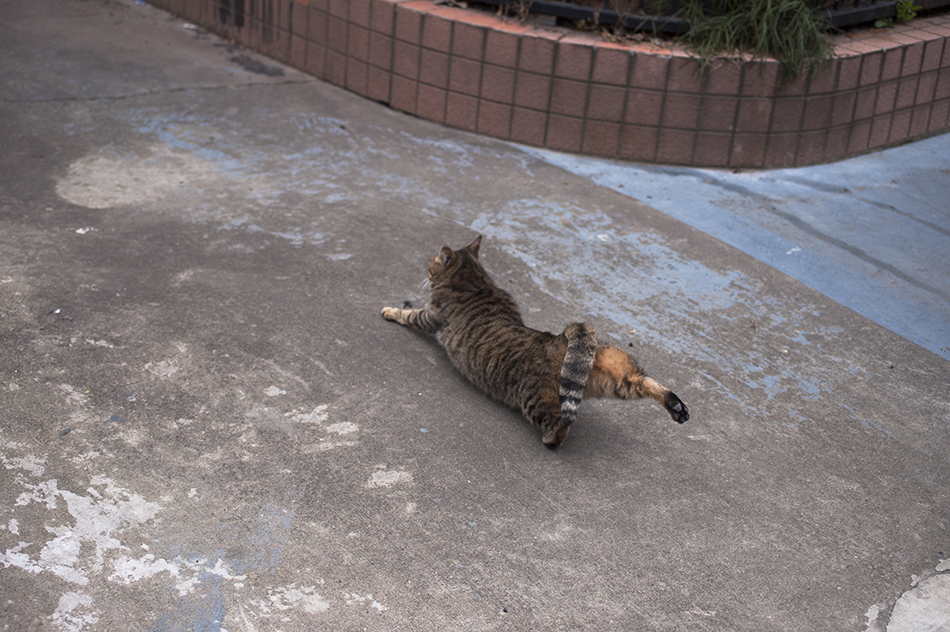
column 383, row 17
column 712, row 150
column 723, row 78
column 298, row 20
column 718, row 114
column 462, row 111
column 685, row 76
column 317, row 27
column 573, row 61
column 792, row 86
column 900, row 127
column 649, row 72
column 887, row 93
column 754, row 115
column 938, row 116
column 528, row 126
column 836, row 147
column 568, row 97
column 501, row 48
column 933, row 51
column 871, row 68
column 359, row 12
column 811, row 148
column 905, row 92
column 926, row 87
column 434, row 68
column 537, row 55
column 381, row 51
column 919, row 120
column 644, row 107
column 468, row 41
column 377, row 85
column 316, row 60
column 681, row 111
column 338, row 8
column 298, row 52
column 913, row 57
column 822, row 80
column 639, row 143
column 606, row 103
column 356, row 74
column 358, row 43
column 465, row 76
column 675, row 147
column 406, row 59
column 880, row 129
column 842, row 111
column 498, row 84
column 336, row 36
column 319, row 5
column 436, row 33
column 430, row 103
column 601, row 138
column 893, row 62
column 849, row 73
column 564, row 133
column 780, row 151
column 943, row 84
column 532, row 91
column 748, row 151
column 404, row 94
column 494, row 119
column 817, row 112
column 336, row 68
column 760, row 79
column 610, row 66
column 864, row 107
column 408, row 24
column 860, row 132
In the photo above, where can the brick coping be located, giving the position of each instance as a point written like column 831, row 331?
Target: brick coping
column 578, row 92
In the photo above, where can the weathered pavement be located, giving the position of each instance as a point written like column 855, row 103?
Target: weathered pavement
column 205, row 424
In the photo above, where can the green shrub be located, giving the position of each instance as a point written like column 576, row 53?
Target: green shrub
column 790, row 31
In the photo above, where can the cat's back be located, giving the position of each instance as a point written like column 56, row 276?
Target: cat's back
column 488, row 342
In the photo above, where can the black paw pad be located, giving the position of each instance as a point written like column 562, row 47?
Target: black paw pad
column 677, row 409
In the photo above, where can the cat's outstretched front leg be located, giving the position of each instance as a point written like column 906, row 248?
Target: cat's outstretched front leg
column 423, row 319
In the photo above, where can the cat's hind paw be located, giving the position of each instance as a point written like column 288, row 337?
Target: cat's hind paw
column 676, row 408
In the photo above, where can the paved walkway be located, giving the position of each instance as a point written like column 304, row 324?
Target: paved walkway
column 206, row 425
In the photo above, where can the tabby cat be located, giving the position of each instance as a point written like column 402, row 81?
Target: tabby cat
column 542, row 375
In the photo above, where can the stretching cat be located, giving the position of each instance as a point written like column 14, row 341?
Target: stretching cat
column 542, row 375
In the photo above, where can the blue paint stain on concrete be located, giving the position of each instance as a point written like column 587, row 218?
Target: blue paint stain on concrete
column 872, row 232
column 202, row 614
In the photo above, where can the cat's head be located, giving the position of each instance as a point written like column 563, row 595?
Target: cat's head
column 448, row 261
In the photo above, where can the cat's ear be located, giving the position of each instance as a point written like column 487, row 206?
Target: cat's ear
column 445, row 256
column 472, row 248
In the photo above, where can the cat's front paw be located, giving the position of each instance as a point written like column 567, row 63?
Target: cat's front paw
column 391, row 313
column 676, row 408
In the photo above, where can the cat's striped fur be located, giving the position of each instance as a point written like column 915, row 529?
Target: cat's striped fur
column 542, row 375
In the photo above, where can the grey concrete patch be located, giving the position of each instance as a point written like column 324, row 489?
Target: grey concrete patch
column 202, row 252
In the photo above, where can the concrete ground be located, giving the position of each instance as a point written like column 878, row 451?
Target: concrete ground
column 205, row 424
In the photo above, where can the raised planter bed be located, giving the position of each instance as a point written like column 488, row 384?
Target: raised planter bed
column 578, row 92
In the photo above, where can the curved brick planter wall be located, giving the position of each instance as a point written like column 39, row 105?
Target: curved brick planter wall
column 576, row 92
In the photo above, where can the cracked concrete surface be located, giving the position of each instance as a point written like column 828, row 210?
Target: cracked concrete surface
column 204, row 423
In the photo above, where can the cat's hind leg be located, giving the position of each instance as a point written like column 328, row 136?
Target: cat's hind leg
column 422, row 319
column 616, row 374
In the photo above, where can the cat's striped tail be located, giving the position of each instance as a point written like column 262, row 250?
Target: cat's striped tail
column 578, row 361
